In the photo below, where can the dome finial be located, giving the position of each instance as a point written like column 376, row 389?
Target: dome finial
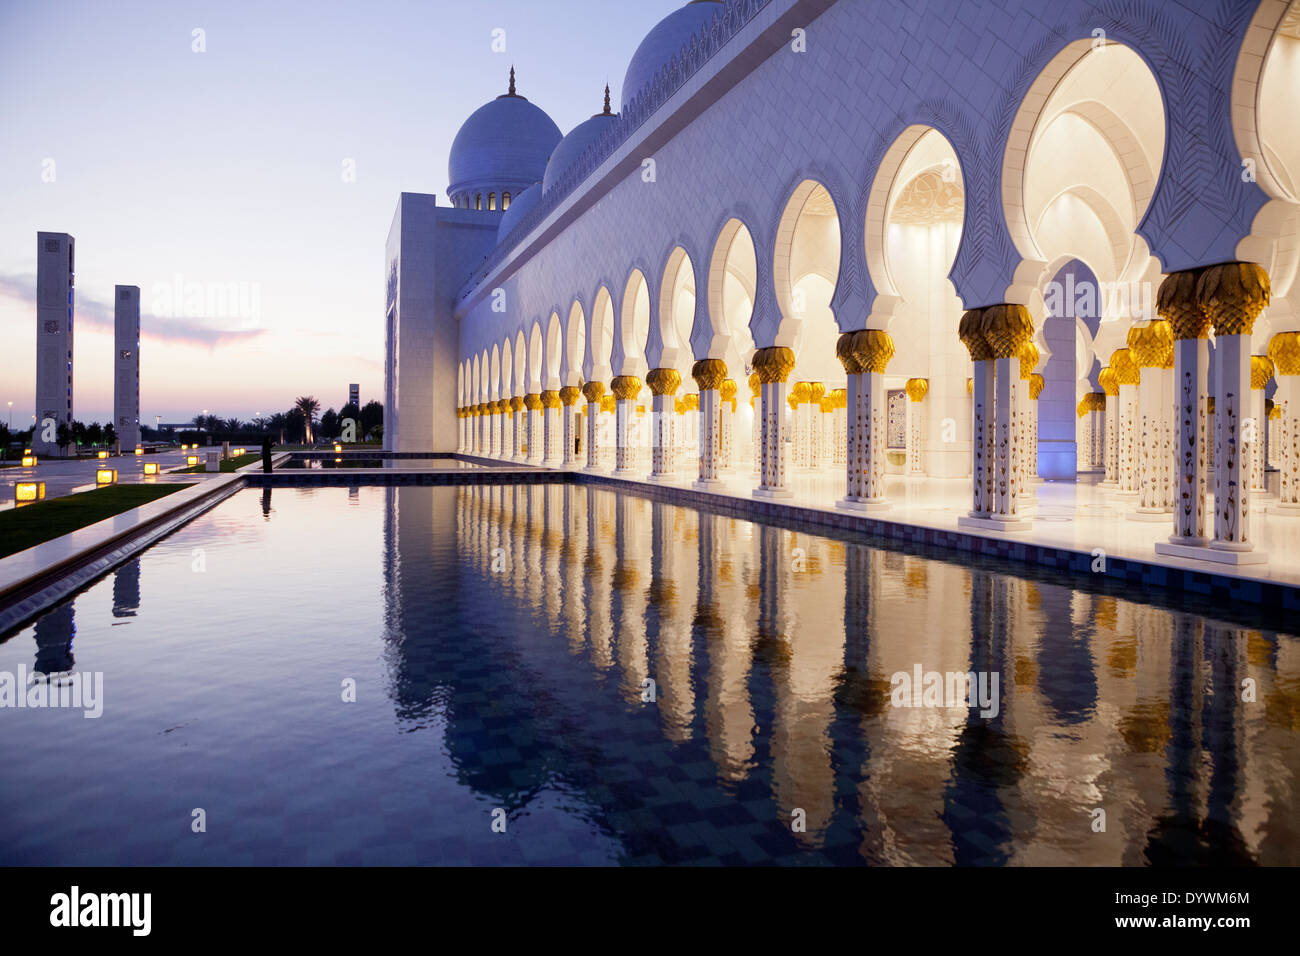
column 607, row 107
column 511, row 91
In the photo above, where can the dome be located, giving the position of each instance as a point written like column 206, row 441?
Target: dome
column 575, row 144
column 522, row 205
column 503, row 146
column 664, row 42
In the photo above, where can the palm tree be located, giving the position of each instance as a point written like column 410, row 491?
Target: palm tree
column 233, row 425
column 308, row 405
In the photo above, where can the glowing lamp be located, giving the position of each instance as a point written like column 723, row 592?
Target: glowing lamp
column 102, row 455
column 192, row 460
column 337, row 448
column 151, row 467
column 29, row 461
column 106, row 476
column 138, row 451
column 26, row 492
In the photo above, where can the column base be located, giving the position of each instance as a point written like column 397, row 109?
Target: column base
column 1211, row 553
column 866, row 505
column 1285, row 510
column 632, row 473
column 994, row 523
column 1189, row 542
column 1152, row 515
column 774, row 494
column 593, row 470
column 711, row 484
column 666, row 479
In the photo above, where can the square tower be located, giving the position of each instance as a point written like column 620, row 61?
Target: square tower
column 126, row 366
column 54, row 272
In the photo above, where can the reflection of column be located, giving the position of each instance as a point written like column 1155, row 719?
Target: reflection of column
column 726, row 425
column 54, row 632
column 1284, row 350
column 722, row 615
column 663, row 383
column 669, row 613
column 630, row 596
column 1178, row 304
column 916, row 391
column 593, row 392
column 1110, row 437
column 460, row 430
column 1261, row 373
column 1128, row 376
column 126, row 589
column 971, row 331
column 569, row 400
column 774, row 366
column 551, row 406
column 1036, row 385
column 865, row 355
column 1233, row 294
column 710, row 375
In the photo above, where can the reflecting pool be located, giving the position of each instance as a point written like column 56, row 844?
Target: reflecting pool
column 396, row 675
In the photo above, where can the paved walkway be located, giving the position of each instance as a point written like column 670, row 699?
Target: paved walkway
column 66, row 476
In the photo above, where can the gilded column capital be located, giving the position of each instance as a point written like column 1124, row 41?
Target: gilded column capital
column 1233, row 295
column 532, row 401
column 691, row 402
column 593, row 391
column 1036, row 385
column 755, row 385
column 816, row 392
column 517, row 404
column 878, row 346
column 971, row 332
column 569, row 395
column 1178, row 304
column 800, row 393
column 1029, row 357
column 1007, row 329
column 840, row 397
column 1108, row 380
column 728, row 390
column 1092, row 402
column 1284, row 350
column 1152, row 345
column 970, row 387
column 664, row 381
column 774, row 364
column 626, row 387
column 917, row 389
column 550, row 398
column 608, row 403
column 1126, row 370
column 1261, row 371
column 709, row 373
column 1209, row 405
column 844, row 351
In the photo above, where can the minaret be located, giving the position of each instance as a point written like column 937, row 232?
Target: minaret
column 54, row 282
column 126, row 366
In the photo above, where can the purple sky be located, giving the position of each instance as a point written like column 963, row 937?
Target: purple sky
column 225, row 169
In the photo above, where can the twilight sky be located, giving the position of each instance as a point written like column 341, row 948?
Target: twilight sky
column 226, row 168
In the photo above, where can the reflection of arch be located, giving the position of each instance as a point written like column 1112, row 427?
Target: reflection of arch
column 575, row 337
column 600, row 339
column 551, row 353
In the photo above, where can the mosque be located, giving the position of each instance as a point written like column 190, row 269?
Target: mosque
column 837, row 251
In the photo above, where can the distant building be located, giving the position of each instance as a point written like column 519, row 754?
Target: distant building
column 354, row 395
column 126, row 365
column 54, row 281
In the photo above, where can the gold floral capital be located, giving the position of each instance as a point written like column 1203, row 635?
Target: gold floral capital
column 569, row 395
column 1178, row 304
column 550, row 398
column 626, row 387
column 608, row 403
column 1261, row 371
column 532, row 401
column 728, row 390
column 664, row 381
column 1036, row 385
column 709, row 373
column 1108, row 379
column 517, row 404
column 1233, row 295
column 593, row 392
column 1284, row 350
column 774, row 364
column 801, row 393
column 1126, row 370
column 1007, row 329
column 917, row 389
column 1029, row 360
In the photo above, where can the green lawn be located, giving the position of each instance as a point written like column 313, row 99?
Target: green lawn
column 230, row 464
column 30, row 525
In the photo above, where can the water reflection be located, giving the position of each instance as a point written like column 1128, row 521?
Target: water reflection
column 126, row 589
column 672, row 664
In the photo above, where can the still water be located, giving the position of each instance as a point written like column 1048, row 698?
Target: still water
column 396, row 675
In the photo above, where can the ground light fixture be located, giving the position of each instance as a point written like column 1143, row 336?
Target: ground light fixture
column 102, row 455
column 25, row 492
column 29, row 461
column 151, row 467
column 192, row 460
column 106, row 476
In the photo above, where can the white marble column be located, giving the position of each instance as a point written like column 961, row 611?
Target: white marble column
column 865, row 355
column 726, row 426
column 533, row 405
column 625, row 388
column 1284, row 350
column 1261, row 373
column 1128, row 376
column 593, row 392
column 917, row 388
column 663, row 383
column 710, row 375
column 774, row 366
column 569, row 396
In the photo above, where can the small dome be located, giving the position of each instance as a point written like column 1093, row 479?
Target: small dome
column 520, row 207
column 575, row 144
column 664, row 42
column 503, row 146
